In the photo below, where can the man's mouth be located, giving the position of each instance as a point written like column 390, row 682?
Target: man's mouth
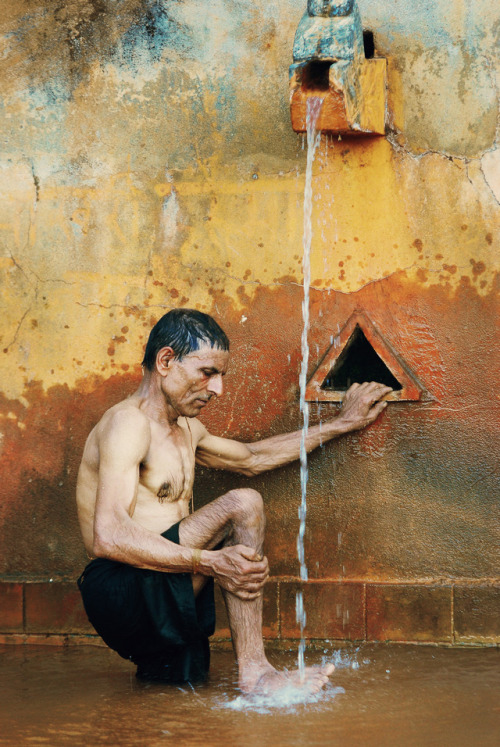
column 202, row 402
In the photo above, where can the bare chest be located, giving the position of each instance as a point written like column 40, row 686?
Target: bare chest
column 168, row 470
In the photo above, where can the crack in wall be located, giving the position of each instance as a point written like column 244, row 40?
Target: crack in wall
column 40, row 280
column 134, row 307
column 35, row 289
column 486, row 180
column 396, row 138
column 497, row 200
column 466, row 160
column 21, row 269
column 20, row 324
column 392, row 136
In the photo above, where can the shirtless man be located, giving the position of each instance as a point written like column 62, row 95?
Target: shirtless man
column 149, row 589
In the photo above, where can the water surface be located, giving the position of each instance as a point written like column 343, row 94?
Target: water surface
column 380, row 696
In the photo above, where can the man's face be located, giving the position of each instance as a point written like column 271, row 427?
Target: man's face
column 194, row 380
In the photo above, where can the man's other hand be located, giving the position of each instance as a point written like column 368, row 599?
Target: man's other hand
column 240, row 570
column 363, row 404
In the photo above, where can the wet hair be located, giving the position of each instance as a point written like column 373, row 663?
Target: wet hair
column 183, row 330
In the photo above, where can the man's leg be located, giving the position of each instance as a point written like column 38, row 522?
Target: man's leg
column 237, row 518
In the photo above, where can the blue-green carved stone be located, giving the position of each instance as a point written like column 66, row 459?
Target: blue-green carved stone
column 337, row 36
column 327, row 8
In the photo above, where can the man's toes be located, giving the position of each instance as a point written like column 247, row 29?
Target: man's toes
column 317, row 683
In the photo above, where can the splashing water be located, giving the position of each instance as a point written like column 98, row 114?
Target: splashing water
column 292, row 697
column 313, row 108
column 287, row 698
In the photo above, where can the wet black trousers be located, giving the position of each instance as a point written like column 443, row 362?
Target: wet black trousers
column 151, row 618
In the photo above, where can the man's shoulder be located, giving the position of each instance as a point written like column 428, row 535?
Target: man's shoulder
column 194, row 427
column 125, row 415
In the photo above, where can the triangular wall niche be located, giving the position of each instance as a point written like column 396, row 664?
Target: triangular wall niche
column 359, row 353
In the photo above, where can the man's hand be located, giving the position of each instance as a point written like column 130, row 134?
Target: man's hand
column 363, row 404
column 240, row 570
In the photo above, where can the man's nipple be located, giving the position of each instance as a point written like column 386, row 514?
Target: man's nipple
column 164, row 492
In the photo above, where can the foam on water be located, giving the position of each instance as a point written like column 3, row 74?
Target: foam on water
column 289, row 698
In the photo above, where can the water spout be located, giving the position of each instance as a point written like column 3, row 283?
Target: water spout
column 330, row 62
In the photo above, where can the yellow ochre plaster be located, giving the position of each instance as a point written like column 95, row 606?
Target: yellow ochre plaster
column 133, row 183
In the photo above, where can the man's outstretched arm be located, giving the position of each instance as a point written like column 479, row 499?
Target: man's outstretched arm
column 362, row 404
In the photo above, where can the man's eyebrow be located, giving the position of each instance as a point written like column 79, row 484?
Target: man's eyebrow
column 213, row 369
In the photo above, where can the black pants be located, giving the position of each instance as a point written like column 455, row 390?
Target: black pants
column 151, row 617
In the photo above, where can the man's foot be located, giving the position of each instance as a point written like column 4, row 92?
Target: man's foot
column 270, row 681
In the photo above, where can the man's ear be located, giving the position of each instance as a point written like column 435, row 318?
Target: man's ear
column 163, row 359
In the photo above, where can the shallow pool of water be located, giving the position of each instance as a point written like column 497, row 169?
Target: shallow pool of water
column 379, row 695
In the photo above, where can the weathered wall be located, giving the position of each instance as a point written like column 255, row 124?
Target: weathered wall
column 147, row 161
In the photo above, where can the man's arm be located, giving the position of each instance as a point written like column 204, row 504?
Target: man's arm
column 123, row 445
column 362, row 404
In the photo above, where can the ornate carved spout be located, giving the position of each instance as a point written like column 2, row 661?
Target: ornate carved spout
column 329, row 62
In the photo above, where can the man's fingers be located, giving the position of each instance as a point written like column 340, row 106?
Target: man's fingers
column 257, row 564
column 382, row 390
column 377, row 409
column 246, row 592
column 374, row 387
column 256, row 570
column 254, row 587
column 250, row 554
column 256, row 579
column 247, row 596
column 369, row 387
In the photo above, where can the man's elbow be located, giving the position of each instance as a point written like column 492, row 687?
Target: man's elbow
column 250, row 468
column 100, row 548
column 251, row 465
column 104, row 545
column 247, row 471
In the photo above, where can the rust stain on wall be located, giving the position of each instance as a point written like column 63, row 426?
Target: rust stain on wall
column 424, row 467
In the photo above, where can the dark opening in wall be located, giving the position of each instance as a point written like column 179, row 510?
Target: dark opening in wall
column 369, row 44
column 358, row 362
column 315, row 75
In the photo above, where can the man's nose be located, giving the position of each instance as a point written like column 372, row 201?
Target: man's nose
column 216, row 385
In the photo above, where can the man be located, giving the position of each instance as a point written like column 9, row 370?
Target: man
column 149, row 590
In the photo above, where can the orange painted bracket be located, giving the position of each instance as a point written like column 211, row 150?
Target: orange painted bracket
column 353, row 103
column 316, row 391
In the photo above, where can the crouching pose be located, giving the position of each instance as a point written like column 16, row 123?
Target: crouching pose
column 149, row 589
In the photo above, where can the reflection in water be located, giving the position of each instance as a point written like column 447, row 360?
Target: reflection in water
column 409, row 696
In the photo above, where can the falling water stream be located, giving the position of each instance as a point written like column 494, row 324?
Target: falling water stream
column 313, row 108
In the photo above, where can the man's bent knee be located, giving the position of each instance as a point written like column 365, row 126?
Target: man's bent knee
column 247, row 500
